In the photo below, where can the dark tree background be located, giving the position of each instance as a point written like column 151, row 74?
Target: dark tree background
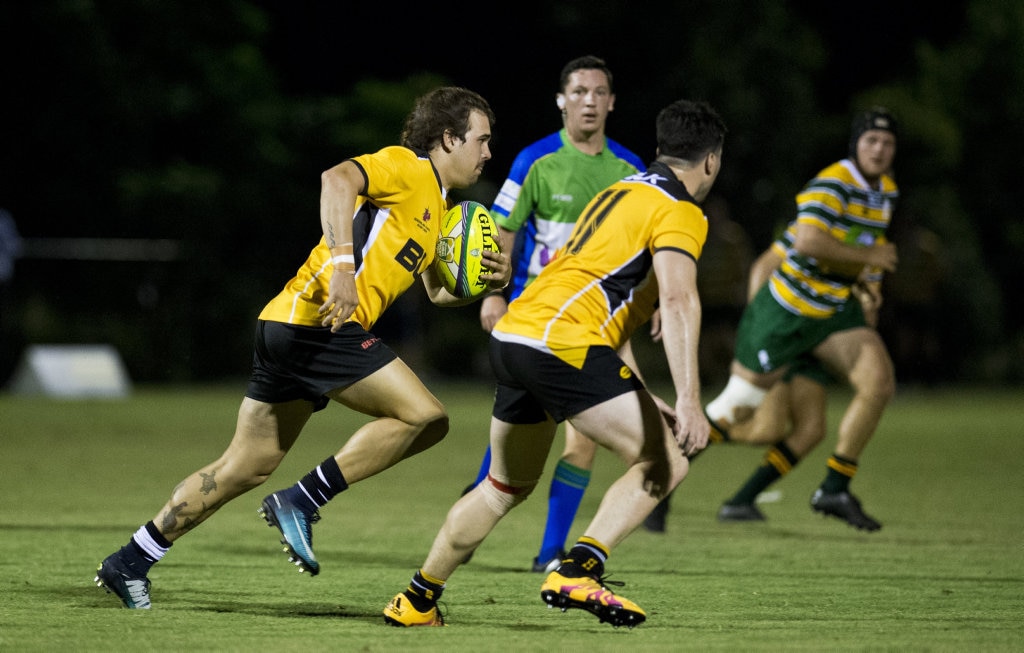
column 202, row 128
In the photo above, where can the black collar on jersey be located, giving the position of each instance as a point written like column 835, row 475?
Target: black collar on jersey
column 669, row 183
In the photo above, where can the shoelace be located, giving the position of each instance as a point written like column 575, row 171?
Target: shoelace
column 137, row 589
column 605, row 582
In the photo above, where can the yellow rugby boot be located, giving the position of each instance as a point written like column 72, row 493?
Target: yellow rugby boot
column 590, row 594
column 401, row 612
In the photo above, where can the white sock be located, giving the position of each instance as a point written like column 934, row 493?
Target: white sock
column 148, row 545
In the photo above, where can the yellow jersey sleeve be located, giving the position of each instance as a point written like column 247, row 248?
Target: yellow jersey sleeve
column 395, row 227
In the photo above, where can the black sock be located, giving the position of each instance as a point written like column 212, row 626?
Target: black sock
column 583, row 559
column 661, row 509
column 157, row 536
column 323, row 483
column 422, row 593
column 141, row 555
column 840, row 471
column 778, row 461
column 135, row 557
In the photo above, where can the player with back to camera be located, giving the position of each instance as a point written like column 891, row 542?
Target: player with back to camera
column 380, row 215
column 554, row 353
column 833, row 253
column 550, row 182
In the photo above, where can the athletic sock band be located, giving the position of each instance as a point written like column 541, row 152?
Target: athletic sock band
column 324, row 483
column 150, row 542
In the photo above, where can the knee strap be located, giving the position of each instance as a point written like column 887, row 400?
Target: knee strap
column 502, row 498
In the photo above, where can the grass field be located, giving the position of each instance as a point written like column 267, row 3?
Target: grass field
column 946, row 573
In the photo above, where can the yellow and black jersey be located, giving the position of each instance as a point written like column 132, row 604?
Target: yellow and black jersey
column 601, row 286
column 394, row 230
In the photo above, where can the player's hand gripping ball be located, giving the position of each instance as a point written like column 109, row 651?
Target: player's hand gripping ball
column 466, row 231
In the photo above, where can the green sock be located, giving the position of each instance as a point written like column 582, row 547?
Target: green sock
column 778, row 461
column 840, row 472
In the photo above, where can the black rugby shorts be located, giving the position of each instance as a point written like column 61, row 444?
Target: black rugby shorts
column 533, row 384
column 299, row 362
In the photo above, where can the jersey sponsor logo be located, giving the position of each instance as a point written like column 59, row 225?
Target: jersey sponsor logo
column 411, row 255
column 652, row 178
column 366, row 344
column 561, row 197
column 424, row 222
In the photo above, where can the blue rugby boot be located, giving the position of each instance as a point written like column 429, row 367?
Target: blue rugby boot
column 296, row 526
column 117, row 576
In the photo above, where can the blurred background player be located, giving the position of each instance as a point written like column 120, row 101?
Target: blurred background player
column 550, row 182
column 792, row 420
column 379, row 214
column 562, row 352
column 809, row 306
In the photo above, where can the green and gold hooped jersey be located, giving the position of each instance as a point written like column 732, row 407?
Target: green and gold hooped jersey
column 395, row 229
column 601, row 285
column 841, row 203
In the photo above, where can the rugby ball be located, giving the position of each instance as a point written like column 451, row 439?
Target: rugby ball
column 467, row 230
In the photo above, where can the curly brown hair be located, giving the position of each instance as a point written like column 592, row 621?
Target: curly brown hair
column 442, row 110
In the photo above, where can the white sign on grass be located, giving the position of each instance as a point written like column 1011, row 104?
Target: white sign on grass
column 71, row 371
